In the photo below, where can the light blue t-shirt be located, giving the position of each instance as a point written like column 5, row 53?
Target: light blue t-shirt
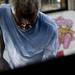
column 36, row 44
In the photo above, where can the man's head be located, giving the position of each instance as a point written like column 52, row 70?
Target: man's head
column 25, row 9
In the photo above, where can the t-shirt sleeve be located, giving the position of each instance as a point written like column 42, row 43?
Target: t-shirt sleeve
column 1, row 11
column 3, row 8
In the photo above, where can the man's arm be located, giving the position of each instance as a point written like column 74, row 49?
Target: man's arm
column 3, row 63
column 52, row 48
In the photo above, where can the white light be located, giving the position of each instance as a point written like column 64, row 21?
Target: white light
column 58, row 0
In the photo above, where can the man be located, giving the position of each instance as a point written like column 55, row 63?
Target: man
column 29, row 35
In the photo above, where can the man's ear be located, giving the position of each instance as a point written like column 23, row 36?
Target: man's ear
column 2, row 45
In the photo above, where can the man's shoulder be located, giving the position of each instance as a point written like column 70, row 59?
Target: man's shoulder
column 47, row 21
column 3, row 8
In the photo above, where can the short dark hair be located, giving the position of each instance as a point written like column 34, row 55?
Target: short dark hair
column 25, row 8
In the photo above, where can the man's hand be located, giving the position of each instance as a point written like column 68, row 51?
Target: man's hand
column 4, row 66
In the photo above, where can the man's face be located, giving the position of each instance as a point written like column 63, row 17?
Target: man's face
column 25, row 22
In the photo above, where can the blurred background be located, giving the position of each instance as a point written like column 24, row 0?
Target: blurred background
column 52, row 5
